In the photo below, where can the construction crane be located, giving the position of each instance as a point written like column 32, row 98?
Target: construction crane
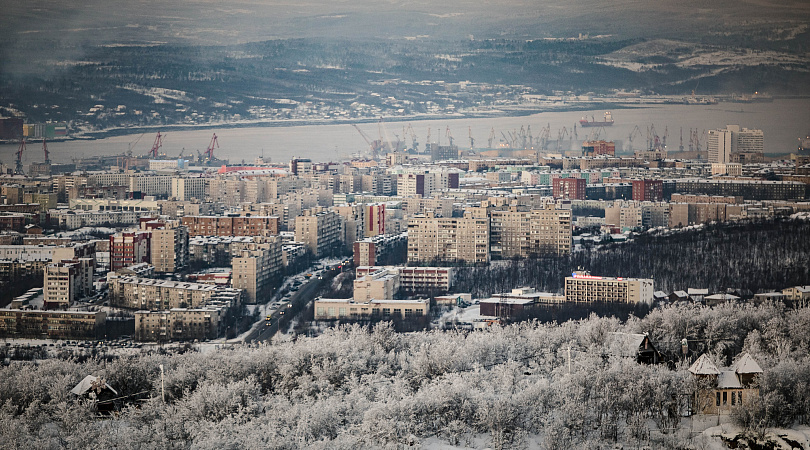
column 209, row 152
column 47, row 153
column 18, row 170
column 491, row 138
column 472, row 141
column 153, row 153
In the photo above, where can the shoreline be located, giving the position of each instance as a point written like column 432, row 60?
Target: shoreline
column 518, row 112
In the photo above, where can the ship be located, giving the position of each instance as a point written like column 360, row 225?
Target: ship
column 584, row 122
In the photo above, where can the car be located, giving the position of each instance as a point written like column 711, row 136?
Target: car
column 294, row 288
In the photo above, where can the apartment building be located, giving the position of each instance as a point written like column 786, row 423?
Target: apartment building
column 585, row 288
column 725, row 145
column 128, row 248
column 151, row 294
column 381, row 284
column 180, row 324
column 379, row 249
column 231, row 226
column 320, row 230
column 448, row 239
column 648, row 190
column 416, row 280
column 597, row 148
column 169, row 251
column 569, row 188
column 331, row 309
column 256, row 268
column 188, row 188
column 52, row 324
column 151, row 184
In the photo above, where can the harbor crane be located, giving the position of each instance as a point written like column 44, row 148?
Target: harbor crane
column 449, row 135
column 18, row 170
column 209, row 152
column 472, row 140
column 372, row 145
column 491, row 138
column 633, row 134
column 153, row 153
column 47, row 153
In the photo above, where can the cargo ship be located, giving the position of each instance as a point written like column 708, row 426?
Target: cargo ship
column 584, row 122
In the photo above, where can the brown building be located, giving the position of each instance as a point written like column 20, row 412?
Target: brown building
column 648, row 190
column 52, row 324
column 596, row 148
column 128, row 248
column 570, row 188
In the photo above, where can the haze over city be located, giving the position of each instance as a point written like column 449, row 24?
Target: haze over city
column 405, row 224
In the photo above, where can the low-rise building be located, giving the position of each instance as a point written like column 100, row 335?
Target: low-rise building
column 150, row 294
column 417, row 280
column 346, row 308
column 180, row 324
column 377, row 285
column 582, row 287
column 52, row 324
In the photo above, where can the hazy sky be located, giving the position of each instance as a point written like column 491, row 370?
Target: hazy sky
column 215, row 21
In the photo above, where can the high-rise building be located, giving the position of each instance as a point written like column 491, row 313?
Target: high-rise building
column 726, row 145
column 169, row 249
column 128, row 248
column 188, row 188
column 448, row 239
column 319, row 229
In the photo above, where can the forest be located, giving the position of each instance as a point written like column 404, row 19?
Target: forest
column 552, row 386
column 749, row 256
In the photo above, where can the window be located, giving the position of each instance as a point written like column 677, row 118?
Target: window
column 718, row 399
column 724, row 398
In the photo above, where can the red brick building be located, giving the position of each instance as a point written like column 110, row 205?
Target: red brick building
column 128, row 248
column 596, row 148
column 570, row 188
column 648, row 190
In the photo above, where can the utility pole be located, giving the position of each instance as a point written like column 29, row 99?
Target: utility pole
column 569, row 360
column 163, row 389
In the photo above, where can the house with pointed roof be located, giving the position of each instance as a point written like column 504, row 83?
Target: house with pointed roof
column 633, row 345
column 721, row 390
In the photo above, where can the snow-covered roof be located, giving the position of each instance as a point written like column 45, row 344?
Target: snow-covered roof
column 728, row 380
column 681, row 294
column 88, row 383
column 704, row 366
column 746, row 364
column 625, row 344
column 693, row 291
column 722, row 297
column 659, row 294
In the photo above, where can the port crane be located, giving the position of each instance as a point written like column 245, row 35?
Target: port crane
column 209, row 152
column 47, row 153
column 472, row 140
column 449, row 135
column 633, row 134
column 372, row 145
column 545, row 134
column 153, row 153
column 491, row 138
column 18, row 170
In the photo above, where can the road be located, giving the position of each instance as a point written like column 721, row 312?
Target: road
column 296, row 304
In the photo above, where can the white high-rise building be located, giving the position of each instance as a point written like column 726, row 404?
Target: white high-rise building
column 724, row 143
